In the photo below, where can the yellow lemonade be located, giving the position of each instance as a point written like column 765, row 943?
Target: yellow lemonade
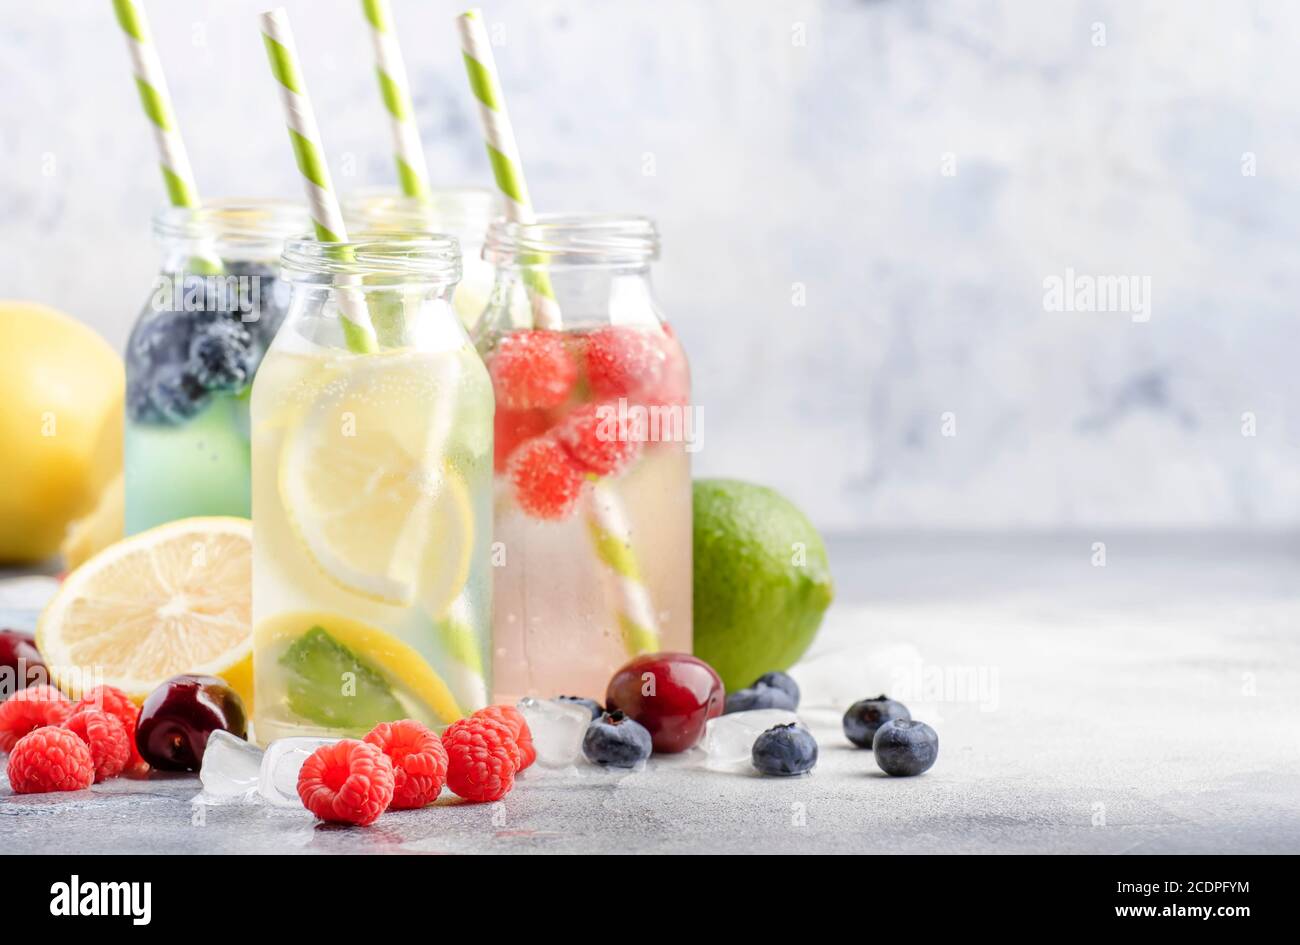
column 372, row 483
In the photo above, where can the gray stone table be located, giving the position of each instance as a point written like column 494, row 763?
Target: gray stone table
column 1145, row 706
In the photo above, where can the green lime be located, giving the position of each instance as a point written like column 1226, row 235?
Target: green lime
column 762, row 581
column 318, row 669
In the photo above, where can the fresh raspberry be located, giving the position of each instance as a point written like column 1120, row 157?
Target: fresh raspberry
column 622, row 361
column 29, row 709
column 118, row 704
column 480, row 758
column 50, row 758
column 514, row 720
column 512, row 427
column 547, row 480
column 348, row 782
column 593, row 437
column 532, row 369
column 674, row 386
column 110, row 749
column 419, row 761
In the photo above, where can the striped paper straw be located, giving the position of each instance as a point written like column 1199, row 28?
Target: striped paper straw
column 611, row 537
column 503, row 154
column 460, row 644
column 412, row 170
column 173, row 160
column 327, row 218
column 606, row 519
column 150, row 82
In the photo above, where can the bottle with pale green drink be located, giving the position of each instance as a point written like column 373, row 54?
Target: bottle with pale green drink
column 192, row 355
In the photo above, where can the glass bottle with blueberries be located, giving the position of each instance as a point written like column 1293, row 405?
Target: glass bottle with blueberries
column 210, row 316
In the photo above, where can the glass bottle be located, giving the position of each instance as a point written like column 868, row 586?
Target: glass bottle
column 192, row 355
column 462, row 212
column 593, row 434
column 372, row 486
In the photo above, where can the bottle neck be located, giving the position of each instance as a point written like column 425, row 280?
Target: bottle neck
column 572, row 271
column 226, row 234
column 580, row 297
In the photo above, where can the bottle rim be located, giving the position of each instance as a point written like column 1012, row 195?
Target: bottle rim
column 463, row 210
column 405, row 257
column 572, row 239
column 231, row 221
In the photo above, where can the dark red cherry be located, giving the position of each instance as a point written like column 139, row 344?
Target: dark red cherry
column 177, row 718
column 672, row 694
column 20, row 664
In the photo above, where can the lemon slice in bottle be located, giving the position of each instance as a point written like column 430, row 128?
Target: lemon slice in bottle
column 366, row 486
column 174, row 599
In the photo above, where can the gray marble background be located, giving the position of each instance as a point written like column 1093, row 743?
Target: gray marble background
column 911, row 171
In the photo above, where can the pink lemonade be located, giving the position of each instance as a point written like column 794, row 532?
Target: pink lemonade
column 592, row 508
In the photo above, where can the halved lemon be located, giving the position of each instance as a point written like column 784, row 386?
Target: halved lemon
column 367, row 489
column 174, row 599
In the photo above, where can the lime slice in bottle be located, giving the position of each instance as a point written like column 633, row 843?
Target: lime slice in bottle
column 385, row 679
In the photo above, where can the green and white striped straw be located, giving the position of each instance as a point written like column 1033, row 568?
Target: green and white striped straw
column 607, row 523
column 412, row 171
column 503, row 154
column 304, row 135
column 611, row 539
column 151, row 83
column 463, row 669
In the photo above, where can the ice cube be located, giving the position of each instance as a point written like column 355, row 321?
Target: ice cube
column 277, row 780
column 728, row 740
column 230, row 766
column 557, row 729
column 838, row 678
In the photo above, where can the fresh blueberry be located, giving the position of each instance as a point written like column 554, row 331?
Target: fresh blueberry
column 759, row 697
column 591, row 705
column 617, row 741
column 162, row 337
column 197, row 295
column 779, row 680
column 174, row 395
column 865, row 717
column 785, row 750
column 261, row 299
column 221, row 355
column 905, row 747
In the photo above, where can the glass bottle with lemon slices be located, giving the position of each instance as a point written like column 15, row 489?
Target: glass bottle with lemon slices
column 463, row 212
column 372, row 484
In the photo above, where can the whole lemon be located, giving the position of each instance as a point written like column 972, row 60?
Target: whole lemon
column 762, row 581
column 61, row 397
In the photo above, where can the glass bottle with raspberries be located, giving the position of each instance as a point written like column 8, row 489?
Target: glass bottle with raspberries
column 593, row 435
column 192, row 355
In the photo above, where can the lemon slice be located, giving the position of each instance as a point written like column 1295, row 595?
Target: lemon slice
column 174, row 599
column 400, row 663
column 367, row 489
